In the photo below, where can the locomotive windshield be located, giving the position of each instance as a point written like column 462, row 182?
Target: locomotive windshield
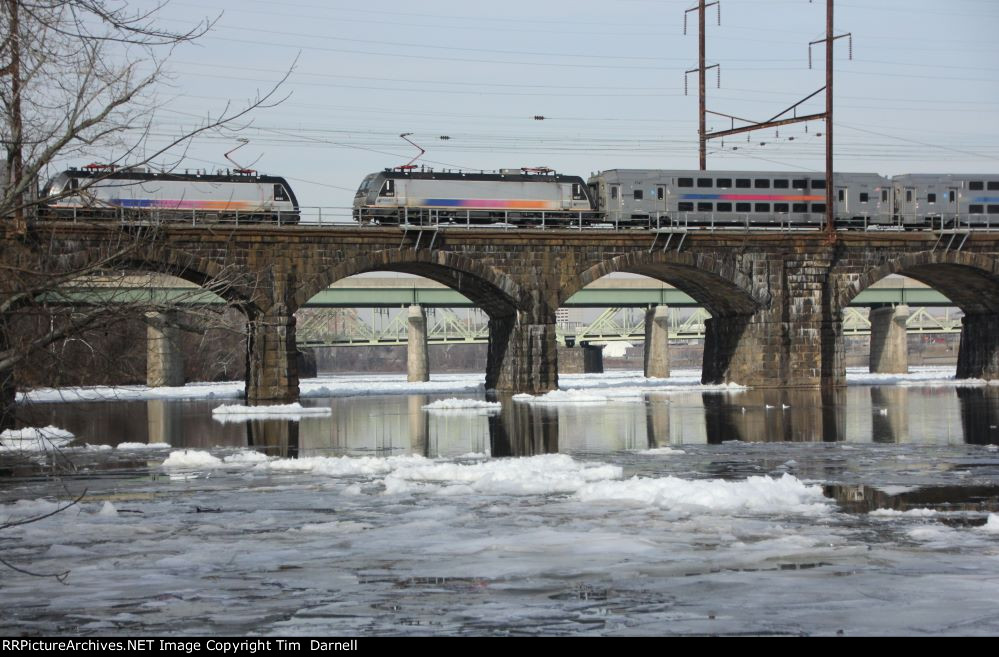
column 363, row 189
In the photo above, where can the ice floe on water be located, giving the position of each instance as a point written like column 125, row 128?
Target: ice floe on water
column 395, row 384
column 33, row 439
column 754, row 494
column 562, row 397
column 143, row 446
column 660, row 451
column 923, row 376
column 294, row 412
column 455, row 405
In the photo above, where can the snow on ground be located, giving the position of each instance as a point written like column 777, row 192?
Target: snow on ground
column 34, row 439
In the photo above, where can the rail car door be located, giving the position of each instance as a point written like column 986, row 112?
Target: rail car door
column 842, row 208
column 614, row 202
column 910, row 206
column 660, row 202
column 950, row 208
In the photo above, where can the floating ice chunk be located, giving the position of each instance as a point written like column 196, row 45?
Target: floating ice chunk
column 991, row 525
column 249, row 457
column 756, row 494
column 453, row 405
column 342, row 466
column 108, row 510
column 911, row 513
column 562, row 397
column 33, row 439
column 662, row 450
column 544, row 474
column 292, row 412
column 153, row 446
column 191, row 459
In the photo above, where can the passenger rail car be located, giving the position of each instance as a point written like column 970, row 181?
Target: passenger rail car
column 928, row 200
column 97, row 192
column 739, row 198
column 513, row 195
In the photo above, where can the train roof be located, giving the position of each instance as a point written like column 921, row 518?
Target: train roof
column 135, row 174
column 694, row 173
column 486, row 176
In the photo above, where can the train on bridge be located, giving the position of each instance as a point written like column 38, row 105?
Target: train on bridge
column 667, row 198
column 619, row 198
column 106, row 192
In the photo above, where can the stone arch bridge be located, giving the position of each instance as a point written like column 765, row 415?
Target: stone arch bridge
column 776, row 298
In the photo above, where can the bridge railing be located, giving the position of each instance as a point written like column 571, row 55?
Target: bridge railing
column 434, row 218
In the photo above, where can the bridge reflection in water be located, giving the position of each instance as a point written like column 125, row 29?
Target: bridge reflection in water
column 399, row 425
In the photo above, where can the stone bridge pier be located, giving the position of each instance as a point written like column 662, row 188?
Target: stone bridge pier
column 271, row 358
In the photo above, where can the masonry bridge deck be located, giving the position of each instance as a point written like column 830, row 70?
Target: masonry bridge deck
column 776, row 299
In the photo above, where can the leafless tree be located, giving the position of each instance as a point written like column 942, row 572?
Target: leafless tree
column 77, row 77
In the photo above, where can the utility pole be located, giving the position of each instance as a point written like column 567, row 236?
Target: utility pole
column 776, row 120
column 702, row 71
column 830, row 223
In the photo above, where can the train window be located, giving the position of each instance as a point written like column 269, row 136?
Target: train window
column 799, row 207
column 761, row 183
column 743, row 183
column 908, row 196
column 818, row 207
column 727, row 182
column 799, row 183
column 724, row 207
column 705, row 182
column 74, row 184
column 840, row 195
column 780, row 207
column 976, row 209
column 279, row 193
column 660, row 193
column 704, row 207
column 761, row 207
column 388, row 189
column 613, row 191
column 577, row 192
column 950, row 196
column 638, row 195
column 931, row 198
column 976, row 185
column 743, row 207
column 685, row 206
column 864, row 197
column 993, row 209
column 684, row 182
column 993, row 185
column 884, row 195
column 781, row 184
column 818, row 183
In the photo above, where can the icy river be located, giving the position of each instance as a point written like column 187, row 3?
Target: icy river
column 617, row 506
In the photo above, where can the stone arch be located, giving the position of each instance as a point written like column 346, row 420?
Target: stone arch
column 970, row 280
column 718, row 285
column 490, row 289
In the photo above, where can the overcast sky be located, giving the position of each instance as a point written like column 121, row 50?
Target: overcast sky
column 920, row 95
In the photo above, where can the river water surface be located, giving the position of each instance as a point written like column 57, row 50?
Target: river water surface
column 625, row 506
